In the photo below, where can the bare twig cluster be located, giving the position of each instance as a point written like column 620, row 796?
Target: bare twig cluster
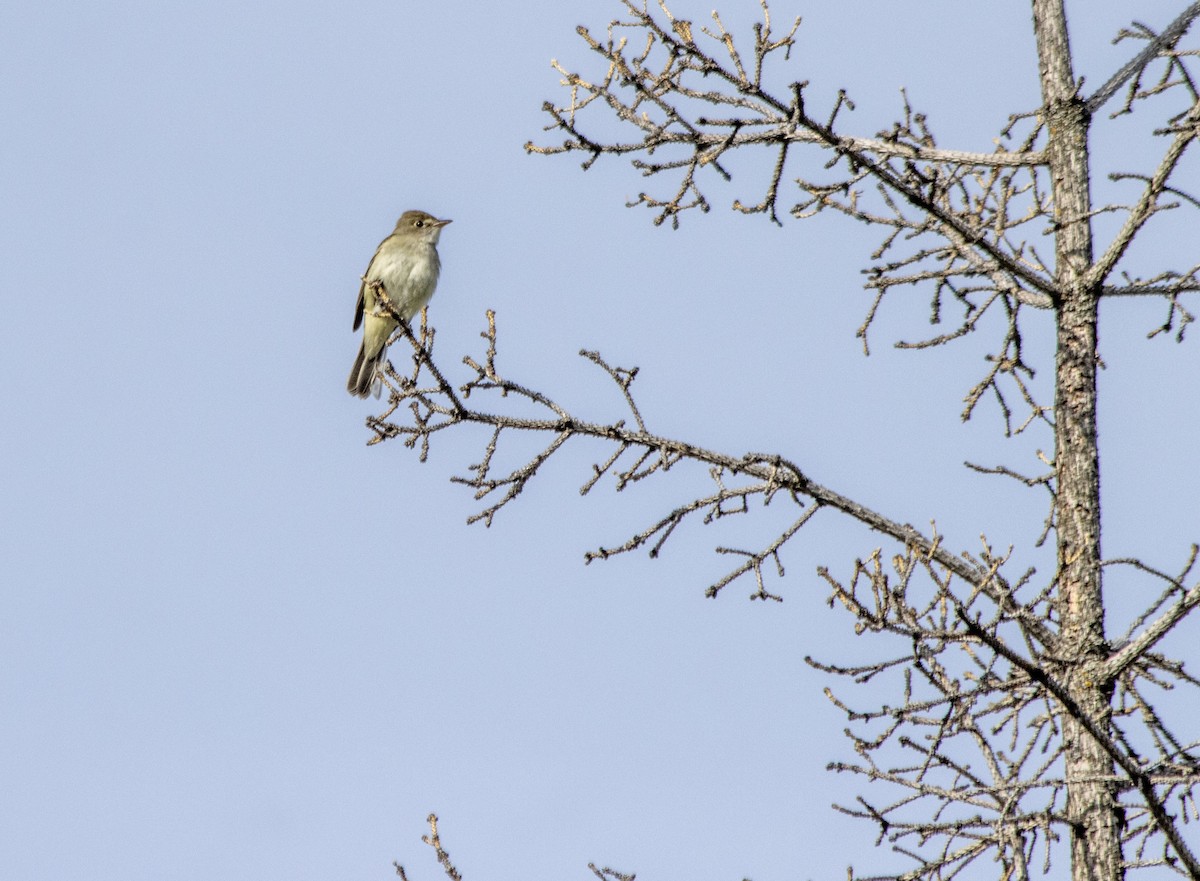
column 977, row 739
column 434, row 840
column 422, row 403
column 1160, row 69
column 966, row 224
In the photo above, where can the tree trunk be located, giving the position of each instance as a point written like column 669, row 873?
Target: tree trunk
column 1091, row 800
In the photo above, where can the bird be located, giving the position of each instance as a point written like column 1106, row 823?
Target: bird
column 406, row 265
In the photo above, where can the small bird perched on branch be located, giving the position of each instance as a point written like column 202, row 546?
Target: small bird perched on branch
column 406, row 266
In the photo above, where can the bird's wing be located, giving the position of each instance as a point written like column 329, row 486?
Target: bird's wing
column 358, row 307
column 362, row 290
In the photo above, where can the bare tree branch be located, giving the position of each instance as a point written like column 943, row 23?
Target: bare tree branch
column 1143, row 59
column 1148, row 204
column 1160, row 627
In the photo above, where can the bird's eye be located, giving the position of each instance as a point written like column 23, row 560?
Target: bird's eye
column 418, row 223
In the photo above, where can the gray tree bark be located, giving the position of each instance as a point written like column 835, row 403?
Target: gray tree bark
column 1092, row 806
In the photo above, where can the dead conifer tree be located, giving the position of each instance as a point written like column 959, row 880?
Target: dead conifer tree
column 1023, row 726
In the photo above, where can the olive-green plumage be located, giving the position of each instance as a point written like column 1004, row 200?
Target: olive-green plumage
column 406, row 265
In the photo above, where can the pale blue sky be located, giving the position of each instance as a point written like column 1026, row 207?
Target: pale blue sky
column 236, row 643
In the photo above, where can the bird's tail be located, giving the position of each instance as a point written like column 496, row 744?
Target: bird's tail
column 364, row 375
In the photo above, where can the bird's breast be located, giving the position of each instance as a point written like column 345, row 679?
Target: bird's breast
column 409, row 275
